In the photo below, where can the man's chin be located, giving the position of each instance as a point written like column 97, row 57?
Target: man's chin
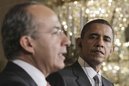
column 59, row 67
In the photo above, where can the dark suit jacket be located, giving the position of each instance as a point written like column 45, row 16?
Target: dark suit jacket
column 13, row 75
column 72, row 76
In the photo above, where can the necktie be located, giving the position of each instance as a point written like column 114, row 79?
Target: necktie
column 96, row 79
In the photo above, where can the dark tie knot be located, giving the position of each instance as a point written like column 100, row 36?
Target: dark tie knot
column 96, row 79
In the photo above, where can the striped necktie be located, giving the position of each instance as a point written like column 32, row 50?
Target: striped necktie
column 96, row 79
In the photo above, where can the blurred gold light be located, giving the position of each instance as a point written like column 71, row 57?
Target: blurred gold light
column 75, row 13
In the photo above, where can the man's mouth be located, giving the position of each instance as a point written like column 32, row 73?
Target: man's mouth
column 98, row 51
column 61, row 55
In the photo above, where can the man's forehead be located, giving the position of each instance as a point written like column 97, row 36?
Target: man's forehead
column 40, row 10
column 99, row 28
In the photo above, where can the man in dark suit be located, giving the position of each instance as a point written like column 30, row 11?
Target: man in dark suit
column 95, row 46
column 34, row 44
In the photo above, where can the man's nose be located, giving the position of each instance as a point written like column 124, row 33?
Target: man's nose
column 66, row 40
column 100, row 42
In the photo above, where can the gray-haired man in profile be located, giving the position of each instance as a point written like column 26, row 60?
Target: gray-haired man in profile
column 34, row 44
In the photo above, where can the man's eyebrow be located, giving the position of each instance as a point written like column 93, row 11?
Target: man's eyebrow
column 98, row 34
column 94, row 33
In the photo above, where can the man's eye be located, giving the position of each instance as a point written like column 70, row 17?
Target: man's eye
column 93, row 37
column 107, row 39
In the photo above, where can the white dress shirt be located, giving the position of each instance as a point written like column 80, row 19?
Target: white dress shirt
column 90, row 72
column 35, row 73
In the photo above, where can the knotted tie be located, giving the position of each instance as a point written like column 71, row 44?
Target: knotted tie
column 96, row 79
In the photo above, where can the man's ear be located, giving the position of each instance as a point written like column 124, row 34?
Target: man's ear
column 26, row 44
column 78, row 42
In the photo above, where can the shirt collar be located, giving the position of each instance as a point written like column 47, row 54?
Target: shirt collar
column 35, row 73
column 88, row 69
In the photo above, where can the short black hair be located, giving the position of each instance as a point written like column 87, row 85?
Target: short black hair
column 87, row 25
column 17, row 22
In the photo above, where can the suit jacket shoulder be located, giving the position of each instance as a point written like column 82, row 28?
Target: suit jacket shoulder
column 106, row 82
column 73, row 76
column 70, row 76
column 13, row 75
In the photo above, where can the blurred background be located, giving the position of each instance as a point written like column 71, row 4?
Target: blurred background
column 74, row 14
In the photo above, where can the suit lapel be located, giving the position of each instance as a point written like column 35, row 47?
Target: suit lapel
column 81, row 77
column 105, row 82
